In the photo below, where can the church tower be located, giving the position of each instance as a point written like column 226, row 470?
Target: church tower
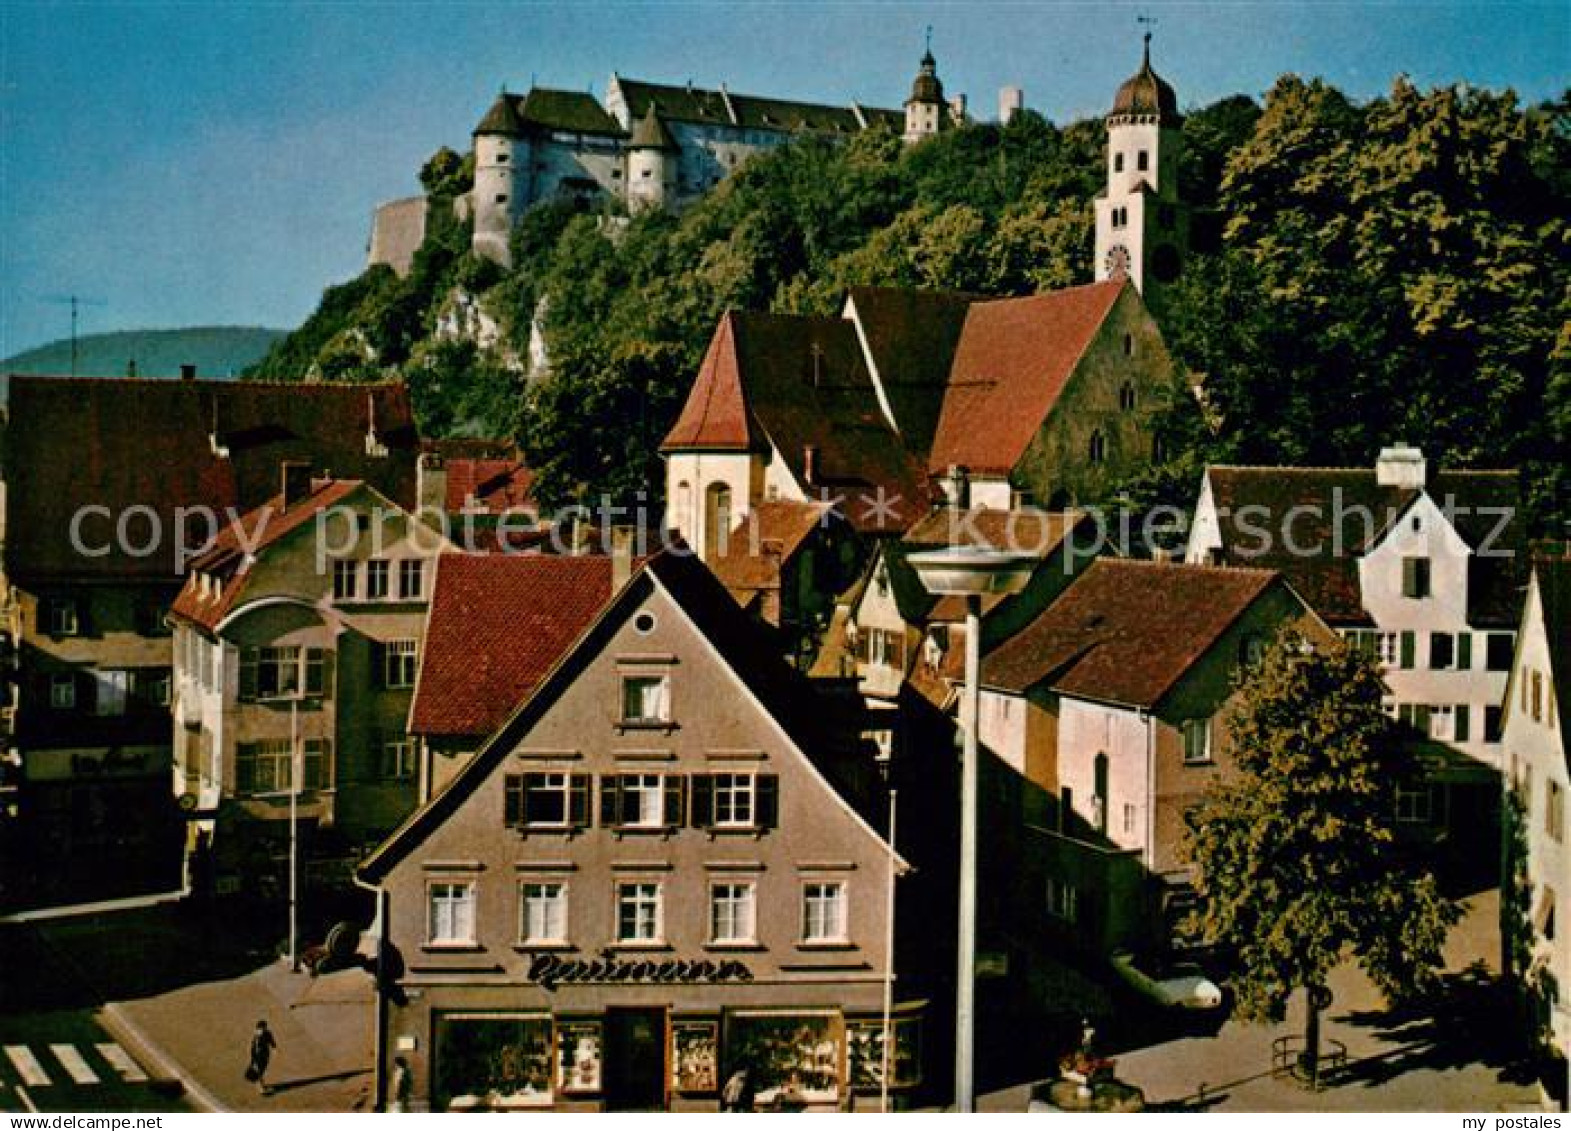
column 502, row 161
column 1142, row 227
column 925, row 109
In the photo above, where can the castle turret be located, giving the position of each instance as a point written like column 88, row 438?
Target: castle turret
column 651, row 163
column 1142, row 227
column 502, row 162
column 926, row 108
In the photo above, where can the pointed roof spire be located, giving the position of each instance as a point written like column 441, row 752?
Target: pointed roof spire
column 652, row 133
column 502, row 118
column 1146, row 94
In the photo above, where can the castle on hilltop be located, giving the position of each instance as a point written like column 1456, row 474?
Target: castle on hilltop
column 650, row 145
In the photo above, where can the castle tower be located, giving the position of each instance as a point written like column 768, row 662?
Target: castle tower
column 651, row 163
column 502, row 162
column 925, row 109
column 1142, row 227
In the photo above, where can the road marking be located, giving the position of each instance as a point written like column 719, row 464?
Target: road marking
column 23, row 1060
column 120, row 1060
column 74, row 1063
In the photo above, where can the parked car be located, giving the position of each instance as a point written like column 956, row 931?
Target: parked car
column 1178, row 985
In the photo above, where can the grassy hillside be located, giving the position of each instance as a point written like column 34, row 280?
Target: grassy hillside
column 216, row 351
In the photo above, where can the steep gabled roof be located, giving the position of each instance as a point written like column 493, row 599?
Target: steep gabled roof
column 497, row 625
column 1126, row 631
column 497, row 485
column 911, row 336
column 1322, row 562
column 800, row 383
column 651, row 133
column 169, row 444
column 1013, row 360
column 764, row 542
column 228, row 560
column 783, row 693
column 701, row 106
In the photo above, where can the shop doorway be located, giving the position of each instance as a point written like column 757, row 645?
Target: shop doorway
column 635, row 1052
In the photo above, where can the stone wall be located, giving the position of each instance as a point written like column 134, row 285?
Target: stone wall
column 397, row 231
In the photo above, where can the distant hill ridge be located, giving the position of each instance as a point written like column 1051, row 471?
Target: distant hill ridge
column 216, row 351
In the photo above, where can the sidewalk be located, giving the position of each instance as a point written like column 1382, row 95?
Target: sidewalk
column 325, row 1028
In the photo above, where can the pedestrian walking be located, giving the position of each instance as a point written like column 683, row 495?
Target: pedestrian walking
column 262, row 1046
column 738, row 1092
column 403, row 1084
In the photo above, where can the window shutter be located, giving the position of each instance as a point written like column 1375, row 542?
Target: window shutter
column 378, row 664
column 768, row 801
column 674, row 796
column 610, row 801
column 578, row 800
column 1464, row 650
column 1421, row 718
column 513, row 806
column 1410, row 577
column 1463, row 722
column 1409, row 647
column 703, row 812
column 314, row 677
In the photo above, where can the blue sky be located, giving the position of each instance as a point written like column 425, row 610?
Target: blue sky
column 208, row 162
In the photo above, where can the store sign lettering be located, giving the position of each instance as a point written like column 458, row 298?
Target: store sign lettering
column 550, row 970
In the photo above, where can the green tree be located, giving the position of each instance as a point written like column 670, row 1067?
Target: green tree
column 1297, row 858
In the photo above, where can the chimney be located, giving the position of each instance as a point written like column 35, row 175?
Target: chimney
column 959, row 487
column 621, row 557
column 1011, row 100
column 431, row 483
column 810, row 464
column 187, row 371
column 296, row 482
column 1400, row 466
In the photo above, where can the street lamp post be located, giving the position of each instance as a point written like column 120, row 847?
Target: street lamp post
column 971, row 572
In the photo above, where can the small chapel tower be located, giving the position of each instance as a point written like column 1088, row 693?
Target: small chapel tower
column 926, row 109
column 1142, row 227
column 502, row 157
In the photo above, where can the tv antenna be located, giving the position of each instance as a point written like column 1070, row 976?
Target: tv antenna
column 75, row 302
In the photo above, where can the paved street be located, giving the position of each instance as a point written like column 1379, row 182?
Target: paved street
column 1446, row 1056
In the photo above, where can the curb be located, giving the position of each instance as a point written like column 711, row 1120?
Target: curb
column 119, row 1025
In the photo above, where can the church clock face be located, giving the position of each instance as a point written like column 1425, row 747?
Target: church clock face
column 1117, row 261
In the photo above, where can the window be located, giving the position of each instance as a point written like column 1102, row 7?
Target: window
column 824, row 912
column 648, row 801
column 1251, row 649
column 1118, row 162
column 717, row 517
column 731, row 913
column 1414, row 804
column 150, row 687
column 646, row 699
column 736, row 801
column 346, row 581
column 1442, row 649
column 60, row 617
column 638, row 913
column 398, row 758
column 1492, row 718
column 411, row 579
column 547, row 800
column 543, row 913
column 1097, row 449
column 62, row 691
column 263, row 767
column 1407, row 649
column 1129, row 345
column 1498, row 648
column 1129, row 819
column 1197, row 741
column 399, row 660
column 376, row 579
column 1415, row 578
column 109, row 692
column 451, row 919
column 1536, row 696
column 1126, row 397
column 1143, row 160
column 1063, row 900
column 1442, row 722
column 270, row 673
column 1555, row 812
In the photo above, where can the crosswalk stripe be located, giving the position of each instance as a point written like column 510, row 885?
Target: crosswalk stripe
column 120, row 1060
column 26, row 1064
column 74, row 1063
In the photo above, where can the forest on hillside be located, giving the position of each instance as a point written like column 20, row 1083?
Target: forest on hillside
column 1365, row 272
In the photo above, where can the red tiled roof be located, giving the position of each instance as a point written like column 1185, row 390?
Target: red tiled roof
column 1126, row 631
column 228, row 558
column 1013, row 360
column 497, row 624
column 1255, row 504
column 801, row 383
column 497, row 485
column 763, row 542
column 166, row 445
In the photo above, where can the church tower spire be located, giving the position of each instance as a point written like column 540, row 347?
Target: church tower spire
column 1142, row 227
column 925, row 109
